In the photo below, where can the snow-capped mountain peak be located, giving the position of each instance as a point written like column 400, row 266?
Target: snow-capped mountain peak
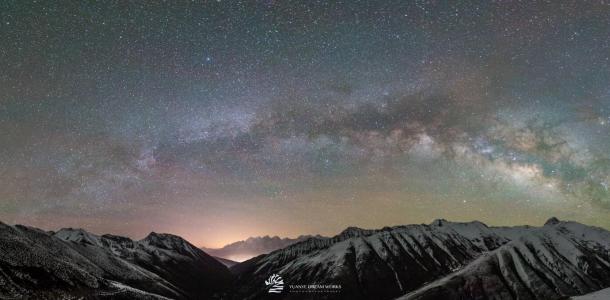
column 165, row 241
column 354, row 232
column 78, row 235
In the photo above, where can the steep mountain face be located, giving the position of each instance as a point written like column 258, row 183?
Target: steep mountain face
column 558, row 260
column 73, row 263
column 178, row 261
column 251, row 247
column 372, row 264
column 115, row 256
column 36, row 265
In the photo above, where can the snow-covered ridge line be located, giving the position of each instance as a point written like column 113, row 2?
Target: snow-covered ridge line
column 555, row 261
column 389, row 262
column 318, row 242
column 395, row 259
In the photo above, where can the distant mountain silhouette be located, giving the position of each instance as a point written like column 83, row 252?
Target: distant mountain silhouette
column 253, row 246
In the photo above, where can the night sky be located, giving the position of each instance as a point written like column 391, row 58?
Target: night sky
column 222, row 120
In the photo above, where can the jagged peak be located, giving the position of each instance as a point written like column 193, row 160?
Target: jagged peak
column 442, row 222
column 162, row 236
column 552, row 221
column 166, row 241
column 252, row 238
column 75, row 231
column 264, row 237
column 77, row 235
column 353, row 231
column 307, row 236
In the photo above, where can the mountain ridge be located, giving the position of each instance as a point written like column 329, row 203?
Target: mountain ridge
column 557, row 260
column 73, row 262
column 384, row 263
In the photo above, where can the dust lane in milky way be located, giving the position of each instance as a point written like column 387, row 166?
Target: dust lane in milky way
column 221, row 120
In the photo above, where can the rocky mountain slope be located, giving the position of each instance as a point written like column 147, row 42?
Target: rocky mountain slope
column 72, row 263
column 560, row 259
column 443, row 260
column 380, row 264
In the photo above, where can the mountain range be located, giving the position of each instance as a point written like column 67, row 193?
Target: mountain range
column 72, row 263
column 253, row 246
column 441, row 260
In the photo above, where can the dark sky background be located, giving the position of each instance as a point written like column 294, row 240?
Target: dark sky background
column 221, row 120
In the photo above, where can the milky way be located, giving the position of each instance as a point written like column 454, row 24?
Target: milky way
column 222, row 120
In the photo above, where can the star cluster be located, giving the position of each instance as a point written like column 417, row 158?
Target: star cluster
column 218, row 120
